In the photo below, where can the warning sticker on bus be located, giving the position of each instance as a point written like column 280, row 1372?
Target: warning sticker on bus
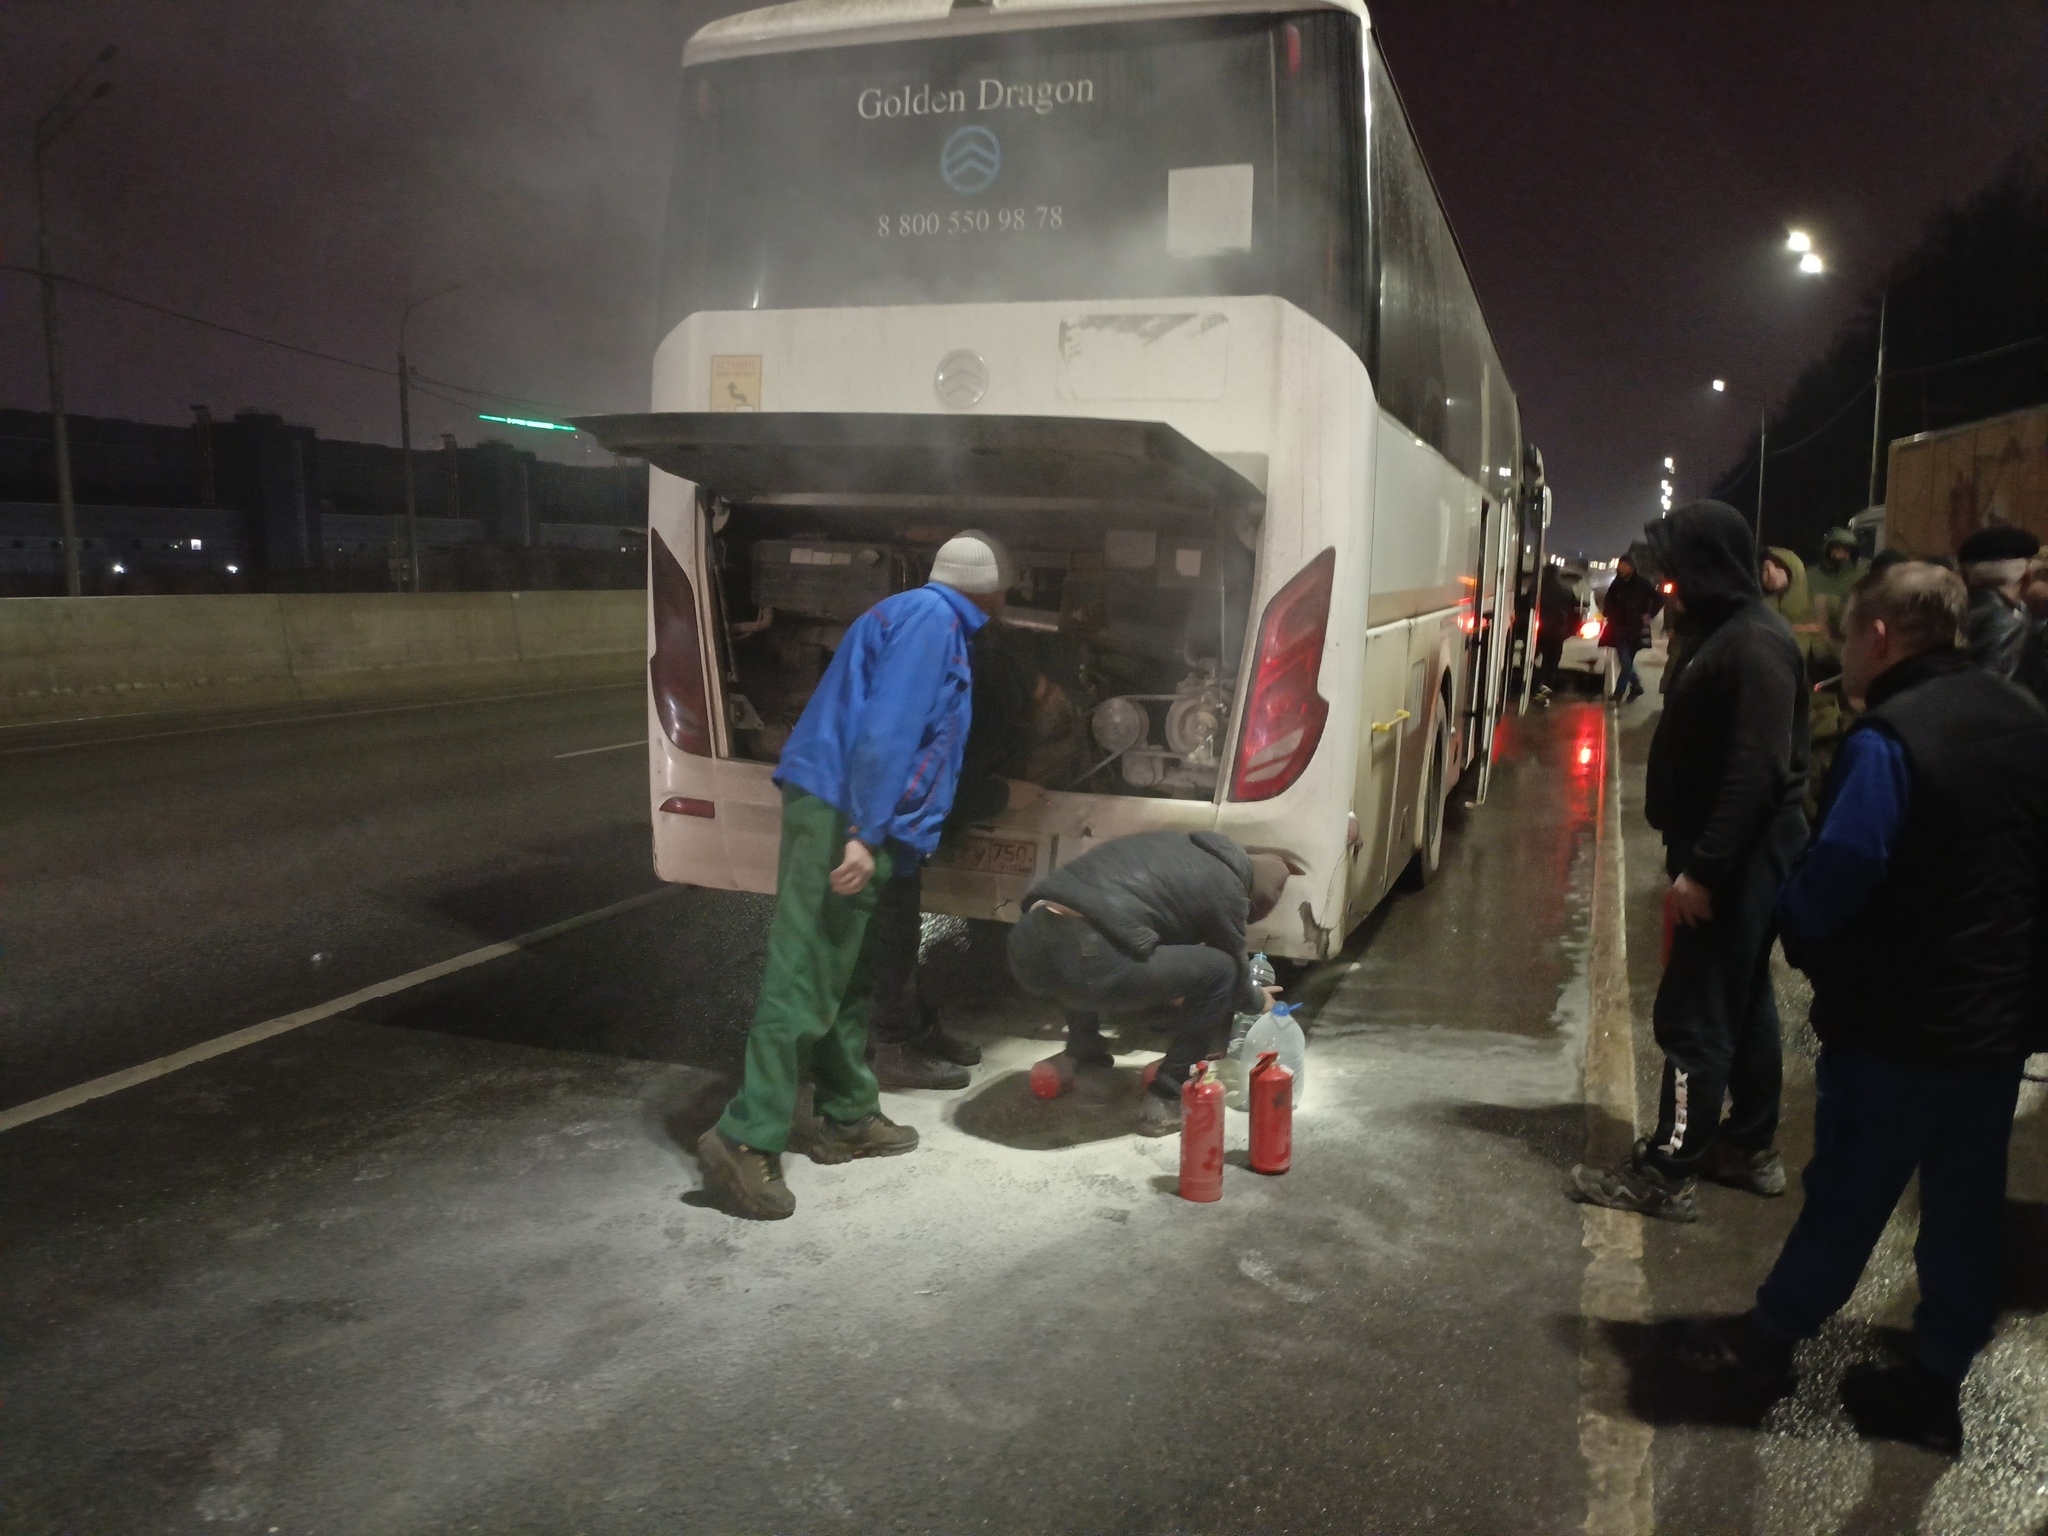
column 982, row 854
column 735, row 383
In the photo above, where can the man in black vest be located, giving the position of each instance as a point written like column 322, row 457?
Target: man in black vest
column 1727, row 776
column 1918, row 914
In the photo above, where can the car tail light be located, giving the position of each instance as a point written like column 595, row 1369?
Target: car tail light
column 1590, row 630
column 676, row 669
column 679, row 805
column 1283, row 713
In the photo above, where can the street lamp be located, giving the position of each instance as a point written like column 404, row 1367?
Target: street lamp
column 1810, row 263
column 61, row 114
column 412, row 519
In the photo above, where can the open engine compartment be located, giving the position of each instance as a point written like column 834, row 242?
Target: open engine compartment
column 1111, row 671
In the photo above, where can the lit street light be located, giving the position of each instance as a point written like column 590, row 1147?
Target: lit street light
column 1720, row 386
column 61, row 114
column 1810, row 263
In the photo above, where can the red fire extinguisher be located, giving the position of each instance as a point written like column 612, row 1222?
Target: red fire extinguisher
column 1201, row 1135
column 1272, row 1101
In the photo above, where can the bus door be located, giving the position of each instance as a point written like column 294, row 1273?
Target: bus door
column 1496, row 629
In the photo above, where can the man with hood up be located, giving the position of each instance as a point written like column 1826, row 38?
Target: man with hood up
column 1727, row 774
column 1832, row 578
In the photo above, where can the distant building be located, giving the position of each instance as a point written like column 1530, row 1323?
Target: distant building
column 255, row 502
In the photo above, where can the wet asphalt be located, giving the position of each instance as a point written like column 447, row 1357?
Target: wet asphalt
column 438, row 1263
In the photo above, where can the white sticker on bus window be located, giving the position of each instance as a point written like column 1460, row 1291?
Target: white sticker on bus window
column 1130, row 549
column 1208, row 210
column 1187, row 562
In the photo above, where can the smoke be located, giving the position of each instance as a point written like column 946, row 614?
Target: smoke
column 307, row 170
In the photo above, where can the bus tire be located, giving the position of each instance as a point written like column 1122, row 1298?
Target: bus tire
column 1429, row 848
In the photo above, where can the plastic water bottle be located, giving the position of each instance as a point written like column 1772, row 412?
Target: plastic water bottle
column 1234, row 1068
column 1276, row 1031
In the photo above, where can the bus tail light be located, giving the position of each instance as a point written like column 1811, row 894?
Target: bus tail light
column 676, row 669
column 1283, row 713
column 680, row 805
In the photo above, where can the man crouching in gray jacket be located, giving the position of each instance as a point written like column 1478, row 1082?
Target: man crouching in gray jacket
column 1156, row 920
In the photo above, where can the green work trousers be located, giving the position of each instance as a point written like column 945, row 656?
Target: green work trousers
column 812, row 1017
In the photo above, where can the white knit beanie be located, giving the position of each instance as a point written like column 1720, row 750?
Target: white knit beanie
column 975, row 563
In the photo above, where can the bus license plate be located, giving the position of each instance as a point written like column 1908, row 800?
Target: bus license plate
column 982, row 854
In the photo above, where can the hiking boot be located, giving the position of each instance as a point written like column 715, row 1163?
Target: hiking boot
column 935, row 1041
column 1732, row 1346
column 898, row 1065
column 1637, row 1185
column 827, row 1141
column 1158, row 1115
column 1905, row 1402
column 744, row 1182
column 1760, row 1173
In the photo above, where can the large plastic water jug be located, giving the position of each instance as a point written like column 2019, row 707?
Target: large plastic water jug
column 1277, row 1031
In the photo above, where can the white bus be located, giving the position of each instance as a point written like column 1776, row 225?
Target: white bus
column 1160, row 293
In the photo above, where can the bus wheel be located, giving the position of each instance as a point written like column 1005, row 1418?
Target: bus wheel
column 1429, row 853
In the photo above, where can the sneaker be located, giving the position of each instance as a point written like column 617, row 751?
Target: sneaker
column 745, row 1182
column 1760, row 1173
column 1158, row 1115
column 935, row 1041
column 1732, row 1346
column 1634, row 693
column 898, row 1065
column 827, row 1141
column 1637, row 1185
column 1905, row 1402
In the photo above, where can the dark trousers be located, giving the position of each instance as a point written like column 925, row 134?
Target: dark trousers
column 1062, row 957
column 1717, row 1018
column 1625, row 679
column 1876, row 1122
column 897, row 1015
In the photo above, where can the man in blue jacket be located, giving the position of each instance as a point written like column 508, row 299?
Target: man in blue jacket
column 1918, row 912
column 867, row 779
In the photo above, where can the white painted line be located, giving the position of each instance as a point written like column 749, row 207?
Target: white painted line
column 1613, row 1443
column 250, row 725
column 637, row 741
column 114, row 1082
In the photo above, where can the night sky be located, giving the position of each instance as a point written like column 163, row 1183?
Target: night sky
column 1621, row 177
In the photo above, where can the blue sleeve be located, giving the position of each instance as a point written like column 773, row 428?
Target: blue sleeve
column 902, row 695
column 1844, row 864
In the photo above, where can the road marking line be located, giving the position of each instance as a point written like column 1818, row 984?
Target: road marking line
column 115, row 1082
column 637, row 741
column 250, row 725
column 1614, row 1444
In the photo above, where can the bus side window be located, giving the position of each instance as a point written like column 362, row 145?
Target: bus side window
column 1431, row 349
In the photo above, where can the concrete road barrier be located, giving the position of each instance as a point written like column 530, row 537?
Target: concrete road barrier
column 75, row 658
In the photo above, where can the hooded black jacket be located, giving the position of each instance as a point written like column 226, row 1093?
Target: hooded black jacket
column 1155, row 888
column 1730, row 749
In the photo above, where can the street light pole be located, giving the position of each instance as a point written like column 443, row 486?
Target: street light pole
column 1877, row 408
column 412, row 518
column 1763, row 457
column 49, row 127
